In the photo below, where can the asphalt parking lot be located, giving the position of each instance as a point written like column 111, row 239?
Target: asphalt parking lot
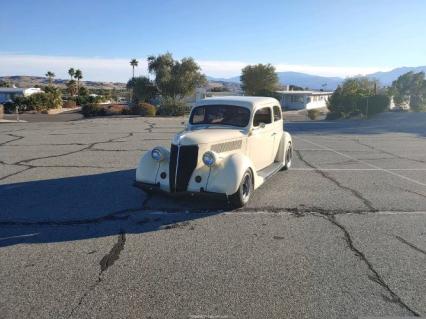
column 340, row 235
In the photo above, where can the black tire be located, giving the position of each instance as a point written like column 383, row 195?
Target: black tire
column 244, row 192
column 288, row 157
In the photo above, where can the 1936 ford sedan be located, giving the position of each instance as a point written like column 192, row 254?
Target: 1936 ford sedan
column 230, row 146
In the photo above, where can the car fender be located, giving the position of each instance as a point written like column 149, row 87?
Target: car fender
column 227, row 175
column 282, row 149
column 147, row 169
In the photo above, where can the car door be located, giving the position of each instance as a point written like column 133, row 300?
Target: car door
column 278, row 129
column 261, row 139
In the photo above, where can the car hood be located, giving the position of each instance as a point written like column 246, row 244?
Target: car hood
column 207, row 136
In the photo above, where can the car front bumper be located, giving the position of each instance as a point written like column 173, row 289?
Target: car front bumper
column 156, row 188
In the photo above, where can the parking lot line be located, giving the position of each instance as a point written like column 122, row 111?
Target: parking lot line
column 356, row 169
column 361, row 161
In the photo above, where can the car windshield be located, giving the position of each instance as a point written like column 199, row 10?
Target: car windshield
column 220, row 115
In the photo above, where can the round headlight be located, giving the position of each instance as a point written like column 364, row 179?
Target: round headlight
column 209, row 158
column 156, row 154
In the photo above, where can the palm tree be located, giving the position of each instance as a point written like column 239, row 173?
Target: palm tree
column 71, row 72
column 50, row 75
column 134, row 63
column 78, row 75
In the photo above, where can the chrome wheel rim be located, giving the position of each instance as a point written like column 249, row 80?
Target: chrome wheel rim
column 246, row 189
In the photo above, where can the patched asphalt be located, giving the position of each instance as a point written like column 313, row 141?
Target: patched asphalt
column 340, row 235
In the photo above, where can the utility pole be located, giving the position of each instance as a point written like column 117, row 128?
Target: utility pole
column 17, row 112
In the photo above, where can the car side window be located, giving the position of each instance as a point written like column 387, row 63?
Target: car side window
column 277, row 113
column 262, row 116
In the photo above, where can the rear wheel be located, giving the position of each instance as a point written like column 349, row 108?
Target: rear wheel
column 288, row 157
column 243, row 194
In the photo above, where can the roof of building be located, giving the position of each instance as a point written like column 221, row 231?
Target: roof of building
column 305, row 92
column 17, row 90
column 245, row 101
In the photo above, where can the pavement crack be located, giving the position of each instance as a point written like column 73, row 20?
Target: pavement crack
column 118, row 215
column 388, row 153
column 16, row 138
column 375, row 276
column 16, row 173
column 354, row 192
column 114, row 254
column 88, row 147
column 107, row 261
column 406, row 242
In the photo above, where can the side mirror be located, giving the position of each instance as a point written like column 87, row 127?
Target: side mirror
column 262, row 125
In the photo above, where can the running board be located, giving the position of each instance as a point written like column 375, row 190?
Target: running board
column 270, row 170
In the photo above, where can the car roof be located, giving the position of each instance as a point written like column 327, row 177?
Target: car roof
column 250, row 102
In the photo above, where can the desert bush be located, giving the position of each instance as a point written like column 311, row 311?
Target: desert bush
column 313, row 114
column 69, row 104
column 144, row 109
column 172, row 107
column 116, row 109
column 93, row 109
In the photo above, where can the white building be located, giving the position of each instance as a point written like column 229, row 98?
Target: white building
column 299, row 100
column 8, row 94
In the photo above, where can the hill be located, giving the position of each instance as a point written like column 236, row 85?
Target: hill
column 32, row 81
column 386, row 78
column 232, row 84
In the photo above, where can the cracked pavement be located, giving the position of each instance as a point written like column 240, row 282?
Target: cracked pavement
column 340, row 235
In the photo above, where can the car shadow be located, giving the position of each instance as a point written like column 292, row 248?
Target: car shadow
column 92, row 206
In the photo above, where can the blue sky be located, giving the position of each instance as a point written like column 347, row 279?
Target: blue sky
column 339, row 38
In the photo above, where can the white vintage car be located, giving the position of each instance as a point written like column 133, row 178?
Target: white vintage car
column 230, row 146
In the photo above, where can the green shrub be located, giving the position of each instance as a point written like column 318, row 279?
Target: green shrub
column 171, row 107
column 69, row 104
column 93, row 109
column 333, row 116
column 313, row 114
column 144, row 109
column 43, row 101
column 374, row 104
column 9, row 107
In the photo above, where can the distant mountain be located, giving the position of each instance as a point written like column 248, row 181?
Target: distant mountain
column 314, row 82
column 304, row 80
column 232, row 84
column 24, row 81
column 386, row 78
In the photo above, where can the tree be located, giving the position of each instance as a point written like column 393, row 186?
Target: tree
column 5, row 84
column 357, row 96
column 175, row 79
column 50, row 75
column 410, row 88
column 134, row 63
column 143, row 89
column 71, row 72
column 72, row 87
column 78, row 75
column 259, row 79
column 83, row 91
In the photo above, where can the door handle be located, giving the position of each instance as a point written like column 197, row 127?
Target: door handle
column 273, row 134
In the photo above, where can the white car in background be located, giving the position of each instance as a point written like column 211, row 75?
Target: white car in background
column 230, row 146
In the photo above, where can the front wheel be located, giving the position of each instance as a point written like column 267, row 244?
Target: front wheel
column 288, row 157
column 243, row 194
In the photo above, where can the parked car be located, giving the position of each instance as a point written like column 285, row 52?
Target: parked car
column 230, row 147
